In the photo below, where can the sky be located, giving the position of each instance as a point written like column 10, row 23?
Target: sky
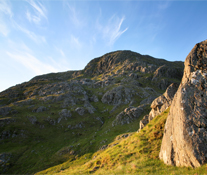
column 43, row 36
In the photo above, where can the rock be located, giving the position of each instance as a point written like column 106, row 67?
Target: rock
column 143, row 122
column 159, row 105
column 80, row 110
column 6, row 121
column 5, row 134
column 185, row 134
column 169, row 72
column 148, row 100
column 4, row 162
column 128, row 115
column 94, row 98
column 5, row 110
column 40, row 109
column 77, row 126
column 64, row 114
column 89, row 107
column 101, row 119
column 32, row 119
column 50, row 121
column 118, row 95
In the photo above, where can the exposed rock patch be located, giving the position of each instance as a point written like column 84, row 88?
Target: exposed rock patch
column 185, row 135
column 128, row 115
column 159, row 105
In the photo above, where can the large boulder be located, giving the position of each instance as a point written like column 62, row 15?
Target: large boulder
column 128, row 115
column 160, row 104
column 185, row 136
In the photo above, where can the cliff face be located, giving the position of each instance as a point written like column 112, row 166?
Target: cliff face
column 185, row 137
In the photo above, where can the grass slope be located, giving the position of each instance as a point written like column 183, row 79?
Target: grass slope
column 136, row 154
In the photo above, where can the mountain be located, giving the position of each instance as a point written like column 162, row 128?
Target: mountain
column 69, row 116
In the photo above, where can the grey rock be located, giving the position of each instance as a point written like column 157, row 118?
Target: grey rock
column 185, row 134
column 64, row 114
column 80, row 110
column 94, row 98
column 148, row 100
column 89, row 107
column 118, row 95
column 159, row 105
column 50, row 120
column 128, row 115
column 143, row 122
column 4, row 162
column 6, row 121
column 40, row 109
column 5, row 134
column 5, row 110
column 32, row 119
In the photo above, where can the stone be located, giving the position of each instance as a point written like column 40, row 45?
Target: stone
column 80, row 110
column 143, row 122
column 40, row 109
column 185, row 133
column 159, row 105
column 4, row 162
column 128, row 115
column 64, row 114
column 32, row 119
column 118, row 95
column 5, row 110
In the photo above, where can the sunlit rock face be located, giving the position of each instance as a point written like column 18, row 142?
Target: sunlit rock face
column 185, row 137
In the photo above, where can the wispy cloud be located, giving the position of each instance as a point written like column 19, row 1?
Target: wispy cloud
column 31, row 62
column 74, row 41
column 31, row 35
column 5, row 11
column 3, row 28
column 75, row 15
column 5, row 7
column 112, row 30
column 60, row 51
column 40, row 12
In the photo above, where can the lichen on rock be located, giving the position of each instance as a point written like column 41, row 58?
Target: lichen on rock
column 185, row 135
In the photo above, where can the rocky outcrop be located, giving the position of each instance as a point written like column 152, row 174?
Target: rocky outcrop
column 64, row 114
column 118, row 95
column 128, row 115
column 159, row 105
column 5, row 111
column 185, row 134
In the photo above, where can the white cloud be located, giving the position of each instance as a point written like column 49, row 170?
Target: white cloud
column 76, row 17
column 74, row 41
column 31, row 35
column 3, row 28
column 112, row 30
column 40, row 12
column 60, row 51
column 5, row 8
column 31, row 62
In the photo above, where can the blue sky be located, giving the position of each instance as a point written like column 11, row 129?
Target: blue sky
column 43, row 36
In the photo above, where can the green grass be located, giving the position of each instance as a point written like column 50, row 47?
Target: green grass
column 136, row 154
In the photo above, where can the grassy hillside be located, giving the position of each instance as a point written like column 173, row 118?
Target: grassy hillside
column 129, row 153
column 61, row 117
